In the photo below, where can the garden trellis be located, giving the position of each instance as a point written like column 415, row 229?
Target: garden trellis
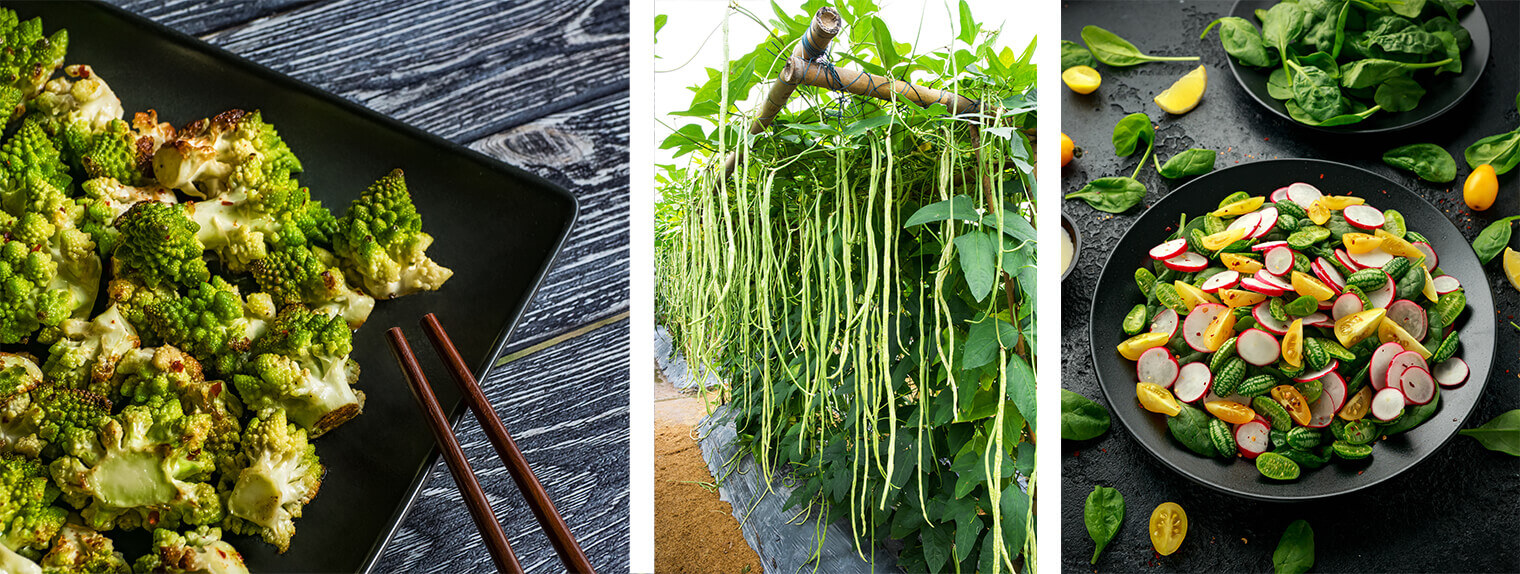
column 861, row 271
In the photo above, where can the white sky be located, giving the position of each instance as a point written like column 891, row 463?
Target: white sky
column 691, row 21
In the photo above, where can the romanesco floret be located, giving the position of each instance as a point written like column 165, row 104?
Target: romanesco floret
column 208, row 152
column 31, row 152
column 381, row 242
column 28, row 519
column 198, row 551
column 158, row 246
column 105, row 199
column 133, row 299
column 81, row 550
column 19, row 421
column 211, row 322
column 259, row 205
column 301, row 365
column 87, row 354
column 28, row 300
column 27, row 59
column 159, row 376
column 303, row 274
column 281, row 474
column 86, row 101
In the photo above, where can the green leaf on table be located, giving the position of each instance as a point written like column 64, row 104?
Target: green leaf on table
column 1103, row 514
column 1109, row 48
column 1295, row 550
column 1073, row 54
column 1502, row 434
column 959, row 207
column 1130, row 131
column 1501, row 151
column 1189, row 163
column 1111, row 194
column 1493, row 239
column 1081, row 417
column 1429, row 161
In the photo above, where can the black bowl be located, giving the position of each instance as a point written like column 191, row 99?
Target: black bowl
column 1440, row 98
column 1117, row 293
column 1076, row 244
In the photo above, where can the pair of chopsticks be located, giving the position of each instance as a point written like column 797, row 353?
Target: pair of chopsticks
column 464, row 477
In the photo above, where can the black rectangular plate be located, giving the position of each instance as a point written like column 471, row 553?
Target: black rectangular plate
column 496, row 226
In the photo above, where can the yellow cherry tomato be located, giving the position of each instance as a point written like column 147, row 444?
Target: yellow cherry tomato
column 1168, row 528
column 1068, row 148
column 1132, row 347
column 1217, row 241
column 1241, row 207
column 1230, row 412
column 1359, row 243
column 1318, row 213
column 1239, row 297
column 1356, row 406
column 1340, row 202
column 1192, row 296
column 1293, row 344
column 1351, row 329
column 1082, row 79
column 1293, row 401
column 1240, row 263
column 1397, row 246
column 1303, row 284
column 1481, row 187
column 1389, row 331
column 1219, row 331
column 1157, row 399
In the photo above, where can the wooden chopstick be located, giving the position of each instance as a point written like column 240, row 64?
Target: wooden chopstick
column 464, row 477
column 517, row 465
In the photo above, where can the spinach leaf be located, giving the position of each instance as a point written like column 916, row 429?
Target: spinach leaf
column 1414, row 416
column 1191, row 428
column 1408, row 8
column 1295, row 550
column 1073, row 54
column 1130, row 130
column 1315, row 92
column 1243, row 41
column 1111, row 194
column 1188, row 163
column 1442, row 24
column 1081, row 417
column 1110, row 49
column 1493, row 239
column 1298, row 113
column 1501, row 151
column 1278, row 86
column 1429, row 161
column 1373, row 71
column 1501, row 434
column 1410, row 40
column 1103, row 514
column 1322, row 61
column 1284, row 25
column 1453, row 53
column 1399, row 94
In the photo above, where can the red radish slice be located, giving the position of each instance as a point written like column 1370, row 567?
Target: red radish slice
column 1248, row 222
column 1322, row 412
column 1375, row 258
column 1273, row 280
column 1346, row 260
column 1400, row 363
column 1157, row 367
column 1169, row 249
column 1363, row 216
column 1307, row 376
column 1346, row 304
column 1388, row 404
column 1335, row 387
column 1304, row 194
column 1326, row 305
column 1326, row 271
column 1165, row 322
column 1259, row 286
column 1279, row 260
column 1410, row 316
column 1252, row 438
column 1451, row 373
column 1318, row 320
column 1382, row 296
column 1378, row 366
column 1417, row 385
column 1187, row 262
column 1430, row 254
column 1197, row 321
column 1279, row 195
column 1266, row 245
column 1221, row 280
column 1446, row 284
column 1263, row 315
column 1257, row 347
column 1268, row 222
column 1193, row 382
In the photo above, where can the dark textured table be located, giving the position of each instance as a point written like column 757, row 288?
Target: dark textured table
column 544, row 86
column 1456, row 511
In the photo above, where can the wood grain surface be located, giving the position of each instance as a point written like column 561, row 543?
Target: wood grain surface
column 541, row 85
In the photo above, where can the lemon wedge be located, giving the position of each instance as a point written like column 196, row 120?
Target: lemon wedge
column 1512, row 267
column 1185, row 93
column 1082, row 79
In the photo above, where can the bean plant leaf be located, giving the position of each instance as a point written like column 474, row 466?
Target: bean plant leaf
column 1081, row 417
column 978, row 260
column 1501, row 434
column 1493, row 239
column 981, row 345
column 1111, row 194
column 1189, row 163
column 1073, row 54
column 936, row 546
column 1021, row 386
column 884, row 46
column 960, row 207
column 969, row 26
column 1132, row 130
column 1103, row 514
column 1295, row 550
column 1429, row 161
column 1012, row 225
column 1501, row 151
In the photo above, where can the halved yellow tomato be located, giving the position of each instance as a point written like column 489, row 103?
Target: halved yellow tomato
column 1230, row 412
column 1219, row 331
column 1132, row 347
column 1293, row 344
column 1240, row 263
column 1389, row 331
column 1222, row 239
column 1356, row 406
column 1429, row 291
column 1306, row 285
column 1293, row 401
column 1351, row 329
column 1359, row 243
column 1318, row 213
column 1241, row 207
column 1339, row 202
column 1239, row 297
column 1157, row 399
column 1192, row 296
column 1397, row 246
column 1168, row 528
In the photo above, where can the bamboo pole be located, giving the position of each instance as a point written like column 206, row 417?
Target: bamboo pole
column 826, row 25
column 827, row 76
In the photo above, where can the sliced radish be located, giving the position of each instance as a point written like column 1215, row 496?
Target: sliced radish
column 1446, row 284
column 1326, row 305
column 1279, row 195
column 1259, row 286
column 1307, row 376
column 1375, row 258
column 1193, row 382
column 1322, row 412
column 1304, row 194
column 1266, row 245
column 1346, row 304
column 1169, row 249
column 1326, row 272
column 1165, row 322
column 1157, row 367
column 1346, row 260
column 1410, row 316
column 1388, row 404
column 1263, row 315
column 1248, row 222
column 1400, row 363
column 1382, row 296
column 1268, row 221
column 1363, row 216
column 1451, row 373
column 1273, row 280
column 1257, row 347
column 1197, row 321
column 1221, row 280
column 1335, row 387
column 1417, row 385
column 1252, row 438
column 1187, row 262
column 1279, row 260
column 1318, row 320
column 1378, row 366
column 1430, row 254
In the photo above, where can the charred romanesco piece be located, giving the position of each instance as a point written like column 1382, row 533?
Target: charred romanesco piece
column 207, row 153
column 158, row 246
column 159, row 376
column 300, row 274
column 87, row 355
column 44, row 420
column 212, row 322
column 28, row 519
column 281, row 473
column 198, row 551
column 301, row 365
column 382, row 245
column 80, row 550
column 261, row 204
column 85, row 102
column 19, row 421
column 27, row 59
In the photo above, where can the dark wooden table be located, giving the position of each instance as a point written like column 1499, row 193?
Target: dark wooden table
column 1438, row 516
column 544, row 86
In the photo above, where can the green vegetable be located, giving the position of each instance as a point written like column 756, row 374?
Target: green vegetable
column 1276, row 466
column 1273, row 412
column 1373, row 71
column 1110, row 49
column 1130, row 131
column 1493, row 239
column 1134, row 322
column 1295, row 550
column 1222, row 437
column 1399, row 94
column 1081, row 417
column 1188, row 163
column 1414, row 416
column 1501, row 151
column 1393, row 221
column 1242, row 41
column 1301, row 307
column 1429, row 161
column 1103, row 514
column 1350, row 451
column 1073, row 54
column 1111, row 194
column 1501, row 434
column 1191, row 428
